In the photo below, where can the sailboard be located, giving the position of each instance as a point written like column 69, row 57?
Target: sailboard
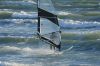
column 48, row 25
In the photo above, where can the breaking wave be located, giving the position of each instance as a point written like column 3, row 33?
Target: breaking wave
column 19, row 64
column 26, row 51
column 24, row 15
column 79, row 24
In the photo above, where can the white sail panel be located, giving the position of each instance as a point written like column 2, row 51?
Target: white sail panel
column 47, row 26
column 47, row 5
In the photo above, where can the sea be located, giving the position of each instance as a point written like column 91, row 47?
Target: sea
column 80, row 26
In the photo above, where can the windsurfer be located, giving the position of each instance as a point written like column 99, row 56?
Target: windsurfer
column 53, row 38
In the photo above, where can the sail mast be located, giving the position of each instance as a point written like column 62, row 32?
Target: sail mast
column 38, row 27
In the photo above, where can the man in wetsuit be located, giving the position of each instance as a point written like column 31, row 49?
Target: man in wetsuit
column 55, row 39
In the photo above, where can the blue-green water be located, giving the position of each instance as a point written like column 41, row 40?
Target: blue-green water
column 80, row 26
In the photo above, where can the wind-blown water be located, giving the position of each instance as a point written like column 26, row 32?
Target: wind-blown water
column 80, row 36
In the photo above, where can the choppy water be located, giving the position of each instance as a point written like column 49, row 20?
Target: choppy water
column 80, row 26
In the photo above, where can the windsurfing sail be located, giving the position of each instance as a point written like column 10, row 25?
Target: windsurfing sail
column 48, row 25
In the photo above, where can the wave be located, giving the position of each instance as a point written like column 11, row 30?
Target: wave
column 9, row 50
column 78, row 41
column 23, row 14
column 63, row 13
column 18, row 39
column 65, row 23
column 16, row 21
column 84, row 36
column 26, row 51
column 15, row 26
column 17, row 2
column 18, row 15
column 19, row 64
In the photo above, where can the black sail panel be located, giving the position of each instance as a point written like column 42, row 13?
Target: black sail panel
column 44, row 14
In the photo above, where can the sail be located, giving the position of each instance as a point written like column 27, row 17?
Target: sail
column 48, row 25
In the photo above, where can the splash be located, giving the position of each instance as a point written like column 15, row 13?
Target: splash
column 39, row 51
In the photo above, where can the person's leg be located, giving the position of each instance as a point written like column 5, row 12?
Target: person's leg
column 59, row 47
column 50, row 46
column 54, row 47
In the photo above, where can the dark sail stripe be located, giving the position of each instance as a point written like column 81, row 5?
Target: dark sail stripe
column 44, row 14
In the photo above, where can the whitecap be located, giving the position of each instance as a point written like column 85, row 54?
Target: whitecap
column 39, row 51
column 20, row 64
column 78, row 24
column 63, row 13
column 9, row 50
column 24, row 14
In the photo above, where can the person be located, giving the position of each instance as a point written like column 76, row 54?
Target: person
column 55, row 39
